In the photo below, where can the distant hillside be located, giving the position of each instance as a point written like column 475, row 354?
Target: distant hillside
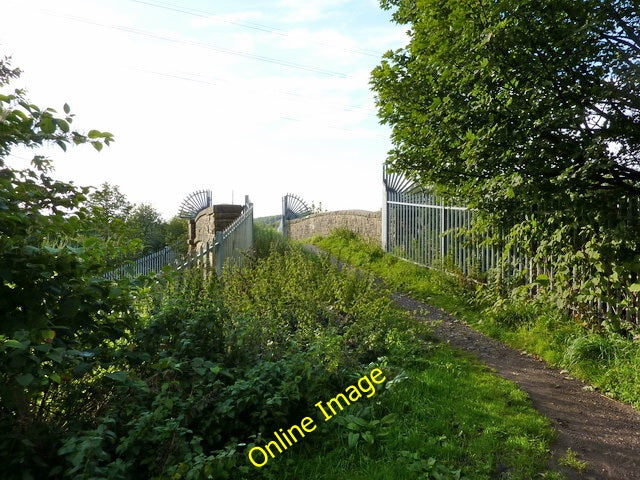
column 271, row 222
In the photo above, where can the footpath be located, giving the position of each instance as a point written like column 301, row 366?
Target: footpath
column 601, row 431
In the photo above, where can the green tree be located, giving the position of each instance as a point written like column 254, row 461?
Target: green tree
column 517, row 106
column 108, row 213
column 147, row 225
column 59, row 318
column 175, row 231
column 109, row 203
column 129, row 230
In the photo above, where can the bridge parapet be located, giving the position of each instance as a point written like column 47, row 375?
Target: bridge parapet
column 365, row 223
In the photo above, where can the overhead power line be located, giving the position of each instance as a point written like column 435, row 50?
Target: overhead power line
column 199, row 78
column 253, row 26
column 145, row 33
column 289, row 118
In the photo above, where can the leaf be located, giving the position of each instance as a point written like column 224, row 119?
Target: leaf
column 48, row 334
column 352, row 439
column 64, row 126
column 95, row 134
column 14, row 344
column 543, row 280
column 358, row 421
column 97, row 145
column 47, row 125
column 368, row 437
column 24, row 379
column 119, row 377
column 470, row 136
column 634, row 288
column 66, row 108
column 55, row 355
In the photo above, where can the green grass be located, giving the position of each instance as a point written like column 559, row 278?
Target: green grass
column 571, row 460
column 452, row 416
column 608, row 361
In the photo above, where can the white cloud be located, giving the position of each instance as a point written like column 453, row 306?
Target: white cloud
column 301, row 11
column 327, row 44
column 229, row 20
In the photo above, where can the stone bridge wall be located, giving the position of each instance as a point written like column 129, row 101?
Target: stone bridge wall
column 209, row 221
column 367, row 224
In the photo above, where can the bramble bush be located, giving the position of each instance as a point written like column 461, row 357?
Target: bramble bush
column 218, row 364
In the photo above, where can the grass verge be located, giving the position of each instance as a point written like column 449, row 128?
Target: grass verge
column 451, row 419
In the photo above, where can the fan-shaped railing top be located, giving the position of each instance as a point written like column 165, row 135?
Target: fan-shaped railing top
column 194, row 203
column 400, row 184
column 295, row 207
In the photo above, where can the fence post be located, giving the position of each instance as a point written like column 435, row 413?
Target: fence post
column 217, row 249
column 442, row 230
column 385, row 216
column 283, row 220
column 248, row 204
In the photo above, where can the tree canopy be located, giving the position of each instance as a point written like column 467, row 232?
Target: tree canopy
column 133, row 229
column 516, row 105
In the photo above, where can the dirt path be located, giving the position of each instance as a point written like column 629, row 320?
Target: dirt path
column 603, row 432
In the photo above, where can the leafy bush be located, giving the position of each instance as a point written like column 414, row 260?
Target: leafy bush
column 62, row 322
column 288, row 299
column 204, row 366
column 266, row 239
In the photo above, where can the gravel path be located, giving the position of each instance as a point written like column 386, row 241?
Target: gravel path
column 603, row 432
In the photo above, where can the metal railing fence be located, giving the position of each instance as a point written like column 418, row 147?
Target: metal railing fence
column 228, row 246
column 171, row 255
column 424, row 229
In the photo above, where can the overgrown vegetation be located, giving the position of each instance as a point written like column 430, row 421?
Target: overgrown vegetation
column 207, row 368
column 601, row 356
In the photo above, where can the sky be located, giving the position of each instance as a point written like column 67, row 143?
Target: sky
column 258, row 97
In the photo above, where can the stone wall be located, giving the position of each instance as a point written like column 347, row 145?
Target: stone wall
column 366, row 224
column 209, row 221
